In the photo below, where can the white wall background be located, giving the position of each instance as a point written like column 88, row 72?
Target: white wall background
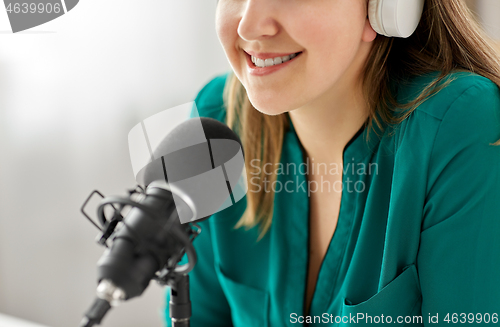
column 489, row 13
column 70, row 90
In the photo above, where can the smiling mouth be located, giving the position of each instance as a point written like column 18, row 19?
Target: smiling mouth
column 262, row 63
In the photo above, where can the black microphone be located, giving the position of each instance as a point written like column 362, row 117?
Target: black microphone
column 183, row 185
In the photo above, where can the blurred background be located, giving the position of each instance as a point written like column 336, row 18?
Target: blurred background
column 70, row 91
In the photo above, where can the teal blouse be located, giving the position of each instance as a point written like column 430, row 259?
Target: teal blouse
column 419, row 243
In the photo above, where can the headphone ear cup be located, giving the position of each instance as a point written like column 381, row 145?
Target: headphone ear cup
column 375, row 16
column 395, row 18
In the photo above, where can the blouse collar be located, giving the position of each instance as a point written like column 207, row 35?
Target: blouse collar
column 359, row 146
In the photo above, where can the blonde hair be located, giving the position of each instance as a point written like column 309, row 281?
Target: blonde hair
column 447, row 39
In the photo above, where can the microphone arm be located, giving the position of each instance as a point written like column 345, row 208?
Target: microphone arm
column 147, row 244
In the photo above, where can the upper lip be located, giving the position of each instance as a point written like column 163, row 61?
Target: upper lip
column 267, row 55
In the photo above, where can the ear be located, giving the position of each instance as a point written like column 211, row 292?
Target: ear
column 369, row 33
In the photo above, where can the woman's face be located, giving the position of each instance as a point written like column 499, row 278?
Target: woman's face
column 329, row 39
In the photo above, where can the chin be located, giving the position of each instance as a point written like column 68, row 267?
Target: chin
column 272, row 103
column 271, row 107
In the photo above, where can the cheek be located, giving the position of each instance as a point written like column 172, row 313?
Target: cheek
column 223, row 32
column 329, row 34
column 226, row 26
column 331, row 44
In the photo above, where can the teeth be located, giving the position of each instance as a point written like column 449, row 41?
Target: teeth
column 271, row 62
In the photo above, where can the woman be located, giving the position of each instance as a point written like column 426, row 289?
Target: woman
column 373, row 177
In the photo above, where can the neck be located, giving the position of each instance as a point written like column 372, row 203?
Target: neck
column 325, row 127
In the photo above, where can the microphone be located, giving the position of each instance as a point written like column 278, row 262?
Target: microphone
column 182, row 185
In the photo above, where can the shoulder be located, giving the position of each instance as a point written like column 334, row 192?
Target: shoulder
column 468, row 105
column 209, row 100
column 459, row 89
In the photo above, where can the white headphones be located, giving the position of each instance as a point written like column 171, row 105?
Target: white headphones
column 395, row 18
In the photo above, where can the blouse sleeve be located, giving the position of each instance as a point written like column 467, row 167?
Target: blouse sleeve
column 459, row 255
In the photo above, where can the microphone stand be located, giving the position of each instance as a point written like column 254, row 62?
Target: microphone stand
column 180, row 303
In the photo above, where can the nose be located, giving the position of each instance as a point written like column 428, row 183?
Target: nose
column 258, row 20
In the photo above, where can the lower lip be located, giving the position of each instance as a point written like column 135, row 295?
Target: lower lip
column 262, row 71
